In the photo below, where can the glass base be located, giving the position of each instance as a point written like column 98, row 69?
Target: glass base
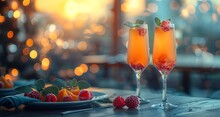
column 162, row 106
column 143, row 100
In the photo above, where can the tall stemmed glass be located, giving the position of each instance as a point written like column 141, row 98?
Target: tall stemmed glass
column 164, row 56
column 138, row 53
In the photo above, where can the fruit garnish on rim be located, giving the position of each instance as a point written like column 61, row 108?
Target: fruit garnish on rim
column 138, row 25
column 165, row 24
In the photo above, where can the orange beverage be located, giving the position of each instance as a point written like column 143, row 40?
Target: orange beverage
column 164, row 49
column 138, row 48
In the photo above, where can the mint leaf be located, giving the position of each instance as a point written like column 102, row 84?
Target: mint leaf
column 50, row 89
column 157, row 21
column 129, row 24
column 39, row 84
column 140, row 22
column 83, row 84
column 73, row 82
column 23, row 89
column 59, row 83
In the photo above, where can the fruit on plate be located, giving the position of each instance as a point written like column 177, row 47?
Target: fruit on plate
column 85, row 95
column 7, row 82
column 34, row 94
column 50, row 97
column 75, row 90
column 67, row 99
column 64, row 93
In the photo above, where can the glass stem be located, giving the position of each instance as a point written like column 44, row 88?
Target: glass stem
column 164, row 94
column 138, row 90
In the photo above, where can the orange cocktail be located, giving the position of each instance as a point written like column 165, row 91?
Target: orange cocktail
column 138, row 53
column 138, row 49
column 164, row 50
column 164, row 56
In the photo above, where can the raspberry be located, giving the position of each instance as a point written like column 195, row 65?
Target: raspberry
column 67, row 99
column 1, row 84
column 165, row 25
column 34, row 94
column 138, row 66
column 26, row 94
column 141, row 31
column 119, row 102
column 85, row 95
column 50, row 97
column 132, row 101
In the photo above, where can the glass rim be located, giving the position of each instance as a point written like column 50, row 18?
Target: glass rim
column 145, row 26
column 171, row 25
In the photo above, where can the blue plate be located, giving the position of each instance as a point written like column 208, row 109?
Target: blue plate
column 63, row 105
column 6, row 92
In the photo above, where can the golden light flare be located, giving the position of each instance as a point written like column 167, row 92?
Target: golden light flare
column 14, row 72
column 94, row 68
column 45, row 63
column 84, row 67
column 78, row 71
column 133, row 8
column 29, row 42
column 8, row 76
column 14, row 5
column 33, row 54
column 73, row 9
column 26, row 2
column 17, row 14
column 10, row 34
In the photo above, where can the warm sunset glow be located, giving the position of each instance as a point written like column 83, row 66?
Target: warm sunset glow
column 133, row 8
column 78, row 71
column 26, row 2
column 14, row 72
column 33, row 54
column 16, row 14
column 73, row 9
column 10, row 34
column 94, row 68
column 53, row 35
column 29, row 42
column 84, row 67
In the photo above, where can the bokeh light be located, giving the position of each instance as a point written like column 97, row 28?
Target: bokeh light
column 10, row 34
column 78, row 71
column 14, row 72
column 33, row 54
column 29, row 42
column 94, row 68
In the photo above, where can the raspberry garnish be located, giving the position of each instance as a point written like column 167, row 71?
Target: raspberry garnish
column 165, row 25
column 138, row 66
column 34, row 94
column 51, row 98
column 132, row 101
column 141, row 31
column 1, row 84
column 25, row 94
column 119, row 102
column 85, row 95
column 67, row 99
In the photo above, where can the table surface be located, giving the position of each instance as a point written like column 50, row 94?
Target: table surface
column 187, row 107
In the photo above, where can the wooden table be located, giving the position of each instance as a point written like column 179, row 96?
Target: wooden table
column 187, row 107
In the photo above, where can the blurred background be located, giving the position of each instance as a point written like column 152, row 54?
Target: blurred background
column 86, row 39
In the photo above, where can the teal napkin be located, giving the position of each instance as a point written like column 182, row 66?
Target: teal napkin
column 16, row 100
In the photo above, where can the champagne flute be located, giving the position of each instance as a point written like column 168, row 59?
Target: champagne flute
column 164, row 57
column 138, row 54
